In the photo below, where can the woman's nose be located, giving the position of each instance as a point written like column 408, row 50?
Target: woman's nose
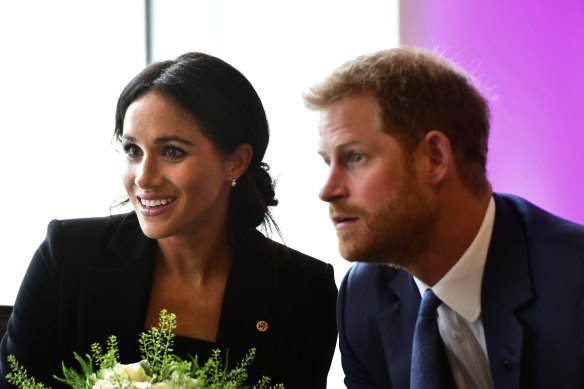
column 148, row 174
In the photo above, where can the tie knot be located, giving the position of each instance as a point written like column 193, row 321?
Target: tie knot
column 429, row 304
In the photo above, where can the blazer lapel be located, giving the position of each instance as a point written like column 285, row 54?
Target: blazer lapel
column 247, row 319
column 506, row 286
column 245, row 299
column 121, row 281
column 397, row 323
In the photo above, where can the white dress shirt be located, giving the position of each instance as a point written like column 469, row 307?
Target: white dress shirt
column 459, row 315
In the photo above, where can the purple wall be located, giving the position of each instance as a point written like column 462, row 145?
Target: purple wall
column 528, row 58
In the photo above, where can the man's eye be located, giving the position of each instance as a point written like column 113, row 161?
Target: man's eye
column 356, row 158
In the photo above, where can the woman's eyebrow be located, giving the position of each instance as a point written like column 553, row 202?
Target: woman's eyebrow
column 128, row 137
column 167, row 139
column 164, row 139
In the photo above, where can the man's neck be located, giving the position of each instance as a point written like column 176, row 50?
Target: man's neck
column 459, row 219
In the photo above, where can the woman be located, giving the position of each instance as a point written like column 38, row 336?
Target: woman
column 194, row 134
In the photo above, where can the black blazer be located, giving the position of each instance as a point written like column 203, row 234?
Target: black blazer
column 5, row 311
column 92, row 278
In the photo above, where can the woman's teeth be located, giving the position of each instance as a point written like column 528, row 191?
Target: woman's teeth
column 156, row 203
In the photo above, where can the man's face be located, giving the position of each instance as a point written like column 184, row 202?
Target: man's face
column 376, row 205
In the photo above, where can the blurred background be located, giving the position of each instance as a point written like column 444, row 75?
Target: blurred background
column 64, row 62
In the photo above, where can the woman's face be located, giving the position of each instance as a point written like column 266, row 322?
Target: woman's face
column 177, row 181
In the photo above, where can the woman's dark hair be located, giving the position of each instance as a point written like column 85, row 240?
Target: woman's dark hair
column 228, row 111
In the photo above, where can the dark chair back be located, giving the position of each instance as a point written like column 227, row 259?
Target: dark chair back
column 5, row 311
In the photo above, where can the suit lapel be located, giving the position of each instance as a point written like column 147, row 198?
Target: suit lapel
column 120, row 281
column 246, row 303
column 397, row 323
column 506, row 286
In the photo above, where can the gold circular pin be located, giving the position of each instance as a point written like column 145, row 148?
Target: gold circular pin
column 262, row 326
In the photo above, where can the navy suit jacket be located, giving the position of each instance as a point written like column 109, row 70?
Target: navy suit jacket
column 92, row 278
column 532, row 307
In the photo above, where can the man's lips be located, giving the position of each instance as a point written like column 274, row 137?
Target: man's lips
column 341, row 222
column 340, row 219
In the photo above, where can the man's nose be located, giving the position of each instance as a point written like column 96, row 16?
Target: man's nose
column 334, row 187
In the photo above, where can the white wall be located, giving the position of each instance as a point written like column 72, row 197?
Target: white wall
column 65, row 62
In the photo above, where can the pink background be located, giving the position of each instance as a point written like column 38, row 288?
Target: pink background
column 528, row 59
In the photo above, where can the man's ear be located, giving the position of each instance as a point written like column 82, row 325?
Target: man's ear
column 437, row 148
column 239, row 160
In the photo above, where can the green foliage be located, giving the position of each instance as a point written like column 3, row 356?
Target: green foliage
column 215, row 375
column 156, row 346
column 112, row 356
column 159, row 365
column 96, row 353
column 265, row 384
column 92, row 366
column 19, row 378
column 78, row 378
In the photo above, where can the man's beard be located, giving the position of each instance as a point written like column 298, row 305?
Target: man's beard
column 396, row 233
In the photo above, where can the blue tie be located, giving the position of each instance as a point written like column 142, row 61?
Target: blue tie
column 429, row 368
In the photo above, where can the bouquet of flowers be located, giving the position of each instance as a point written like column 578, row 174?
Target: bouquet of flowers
column 159, row 368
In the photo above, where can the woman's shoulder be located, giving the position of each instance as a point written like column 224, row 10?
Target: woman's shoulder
column 288, row 258
column 293, row 268
column 104, row 242
column 92, row 237
column 95, row 227
column 96, row 222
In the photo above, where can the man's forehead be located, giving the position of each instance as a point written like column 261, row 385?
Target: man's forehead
column 350, row 107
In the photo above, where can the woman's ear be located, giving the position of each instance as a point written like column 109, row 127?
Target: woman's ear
column 437, row 148
column 239, row 160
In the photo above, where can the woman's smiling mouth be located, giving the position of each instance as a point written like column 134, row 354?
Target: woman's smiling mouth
column 156, row 202
column 154, row 205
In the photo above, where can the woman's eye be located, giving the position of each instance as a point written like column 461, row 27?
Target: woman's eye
column 173, row 152
column 132, row 151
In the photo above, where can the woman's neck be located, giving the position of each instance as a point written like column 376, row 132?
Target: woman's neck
column 199, row 258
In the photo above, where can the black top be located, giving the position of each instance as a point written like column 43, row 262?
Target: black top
column 92, row 278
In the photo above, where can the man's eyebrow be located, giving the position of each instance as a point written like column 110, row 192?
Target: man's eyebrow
column 164, row 139
column 344, row 145
column 349, row 144
column 340, row 147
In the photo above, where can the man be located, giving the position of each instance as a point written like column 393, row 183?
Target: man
column 405, row 134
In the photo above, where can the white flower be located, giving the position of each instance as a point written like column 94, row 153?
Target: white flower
column 162, row 385
column 124, row 376
column 134, row 371
column 103, row 384
column 143, row 385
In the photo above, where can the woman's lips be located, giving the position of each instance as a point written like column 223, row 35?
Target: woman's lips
column 154, row 205
column 157, row 202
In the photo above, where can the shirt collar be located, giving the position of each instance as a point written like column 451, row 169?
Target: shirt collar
column 460, row 288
